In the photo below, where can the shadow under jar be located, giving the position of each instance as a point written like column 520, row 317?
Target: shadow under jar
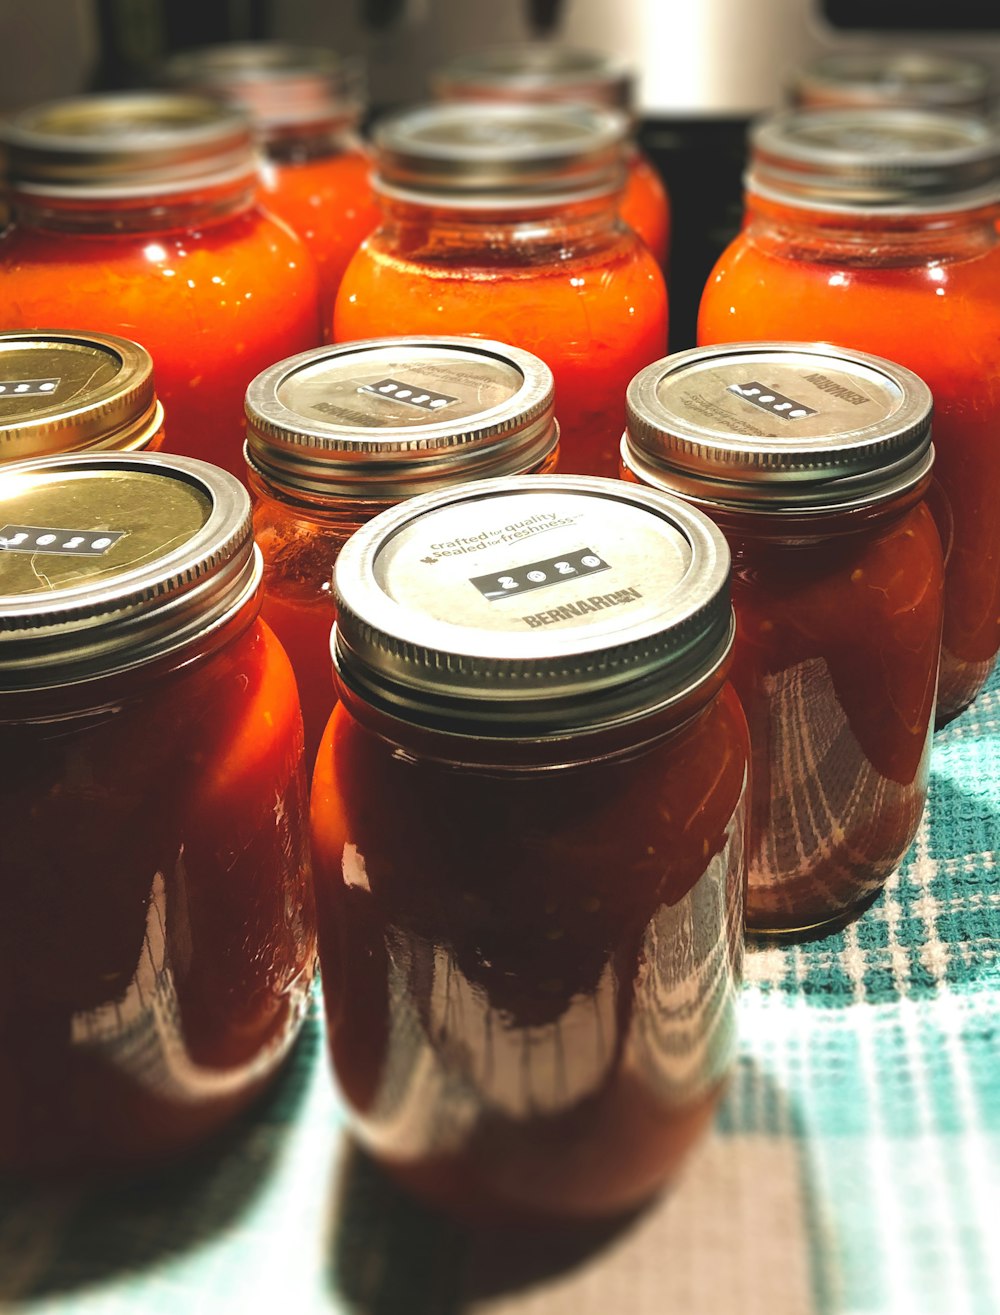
column 540, row 74
column 305, row 104
column 137, row 213
column 157, row 940
column 528, row 816
column 64, row 392
column 502, row 221
column 877, row 230
column 816, row 463
column 339, row 434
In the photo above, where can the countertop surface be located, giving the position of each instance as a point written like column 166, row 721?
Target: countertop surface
column 853, row 1168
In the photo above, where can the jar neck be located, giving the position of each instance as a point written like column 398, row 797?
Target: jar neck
column 149, row 213
column 302, row 143
column 333, row 513
column 870, row 237
column 429, row 229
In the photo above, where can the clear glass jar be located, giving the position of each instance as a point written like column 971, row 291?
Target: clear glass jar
column 815, row 462
column 338, row 434
column 890, row 77
column 502, row 221
column 136, row 213
column 157, row 940
column 528, row 826
column 545, row 74
column 305, row 103
column 76, row 392
column 876, row 230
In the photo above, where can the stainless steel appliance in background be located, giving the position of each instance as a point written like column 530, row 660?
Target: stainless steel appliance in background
column 703, row 69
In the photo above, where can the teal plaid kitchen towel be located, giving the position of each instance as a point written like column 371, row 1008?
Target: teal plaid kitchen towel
column 854, row 1167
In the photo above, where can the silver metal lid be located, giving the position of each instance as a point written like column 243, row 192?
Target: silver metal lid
column 872, row 160
column 124, row 144
column 537, row 72
column 500, row 155
column 931, row 79
column 277, row 84
column 109, row 561
column 538, row 606
column 66, row 392
column 779, row 426
column 391, row 417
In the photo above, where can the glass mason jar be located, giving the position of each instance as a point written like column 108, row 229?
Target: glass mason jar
column 305, row 103
column 894, row 78
column 502, row 221
column 338, row 434
column 136, row 213
column 528, row 825
column 876, row 230
column 66, row 392
column 157, row 940
column 540, row 74
column 815, row 462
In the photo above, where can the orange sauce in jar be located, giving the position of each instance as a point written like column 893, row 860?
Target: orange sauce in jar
column 547, row 74
column 137, row 214
column 815, row 462
column 157, row 938
column 501, row 221
column 76, row 392
column 528, row 831
column 338, row 434
column 853, row 238
column 305, row 103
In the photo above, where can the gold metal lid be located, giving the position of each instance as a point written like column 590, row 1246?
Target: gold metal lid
column 387, row 418
column 890, row 76
column 483, row 153
column 875, row 160
column 277, row 84
column 537, row 72
column 125, row 144
column 778, row 426
column 109, row 561
column 69, row 392
column 536, row 606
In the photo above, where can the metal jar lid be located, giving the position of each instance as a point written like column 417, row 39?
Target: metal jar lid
column 537, row 606
column 778, row 426
column 109, row 561
column 930, row 79
column 875, row 160
column 67, row 392
column 483, row 153
column 277, row 84
column 387, row 418
column 536, row 72
column 127, row 144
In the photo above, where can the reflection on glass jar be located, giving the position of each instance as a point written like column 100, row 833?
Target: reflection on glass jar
column 338, row 434
column 815, row 462
column 528, row 821
column 156, row 926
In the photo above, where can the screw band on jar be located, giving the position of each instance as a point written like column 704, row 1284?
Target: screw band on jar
column 537, row 72
column 127, row 144
column 523, row 607
column 779, row 426
column 68, row 392
column 107, row 562
column 279, row 85
column 928, row 79
column 471, row 155
column 902, row 161
column 391, row 417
